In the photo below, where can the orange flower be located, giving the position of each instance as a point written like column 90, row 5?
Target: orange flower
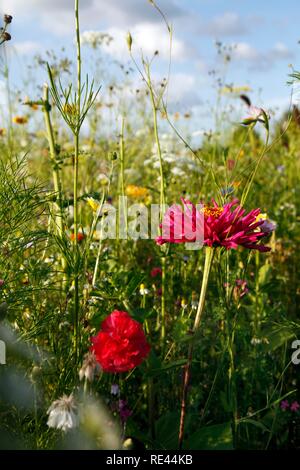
column 20, row 120
column 80, row 236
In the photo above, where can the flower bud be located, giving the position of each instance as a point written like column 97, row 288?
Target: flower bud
column 129, row 41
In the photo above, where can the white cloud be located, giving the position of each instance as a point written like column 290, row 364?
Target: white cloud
column 57, row 15
column 260, row 60
column 26, row 47
column 227, row 24
column 281, row 51
column 244, row 51
column 148, row 38
column 182, row 87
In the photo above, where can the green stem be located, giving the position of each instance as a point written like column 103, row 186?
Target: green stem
column 76, row 249
column 156, row 135
column 10, row 136
column 122, row 156
column 209, row 254
column 232, row 392
column 53, row 156
column 96, row 268
column 163, row 285
column 75, row 190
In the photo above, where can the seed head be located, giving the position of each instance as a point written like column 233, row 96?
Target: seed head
column 6, row 36
column 7, row 19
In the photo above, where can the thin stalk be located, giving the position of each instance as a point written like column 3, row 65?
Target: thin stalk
column 232, row 392
column 163, row 307
column 122, row 156
column 97, row 259
column 209, row 254
column 53, row 156
column 75, row 190
column 10, row 137
column 156, row 135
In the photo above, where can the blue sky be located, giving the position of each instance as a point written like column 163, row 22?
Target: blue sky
column 264, row 36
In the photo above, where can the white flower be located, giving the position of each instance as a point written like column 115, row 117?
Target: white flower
column 89, row 368
column 255, row 341
column 143, row 290
column 255, row 112
column 177, row 171
column 63, row 413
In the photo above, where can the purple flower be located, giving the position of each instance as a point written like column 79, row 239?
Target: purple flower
column 284, row 405
column 295, row 406
column 124, row 411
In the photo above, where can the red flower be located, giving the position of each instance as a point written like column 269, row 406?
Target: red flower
column 121, row 344
column 80, row 236
column 155, row 272
column 227, row 226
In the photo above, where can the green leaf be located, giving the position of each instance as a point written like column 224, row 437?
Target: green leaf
column 277, row 337
column 263, row 275
column 258, row 424
column 216, row 437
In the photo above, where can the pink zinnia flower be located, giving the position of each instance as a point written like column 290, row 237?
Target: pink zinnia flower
column 228, row 226
column 295, row 406
column 181, row 225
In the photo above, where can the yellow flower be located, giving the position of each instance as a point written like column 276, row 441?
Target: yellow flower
column 20, row 120
column 2, row 131
column 93, row 203
column 137, row 192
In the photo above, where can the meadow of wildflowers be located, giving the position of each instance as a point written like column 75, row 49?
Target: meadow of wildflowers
column 149, row 287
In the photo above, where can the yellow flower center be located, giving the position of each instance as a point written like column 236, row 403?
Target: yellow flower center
column 214, row 212
column 261, row 217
